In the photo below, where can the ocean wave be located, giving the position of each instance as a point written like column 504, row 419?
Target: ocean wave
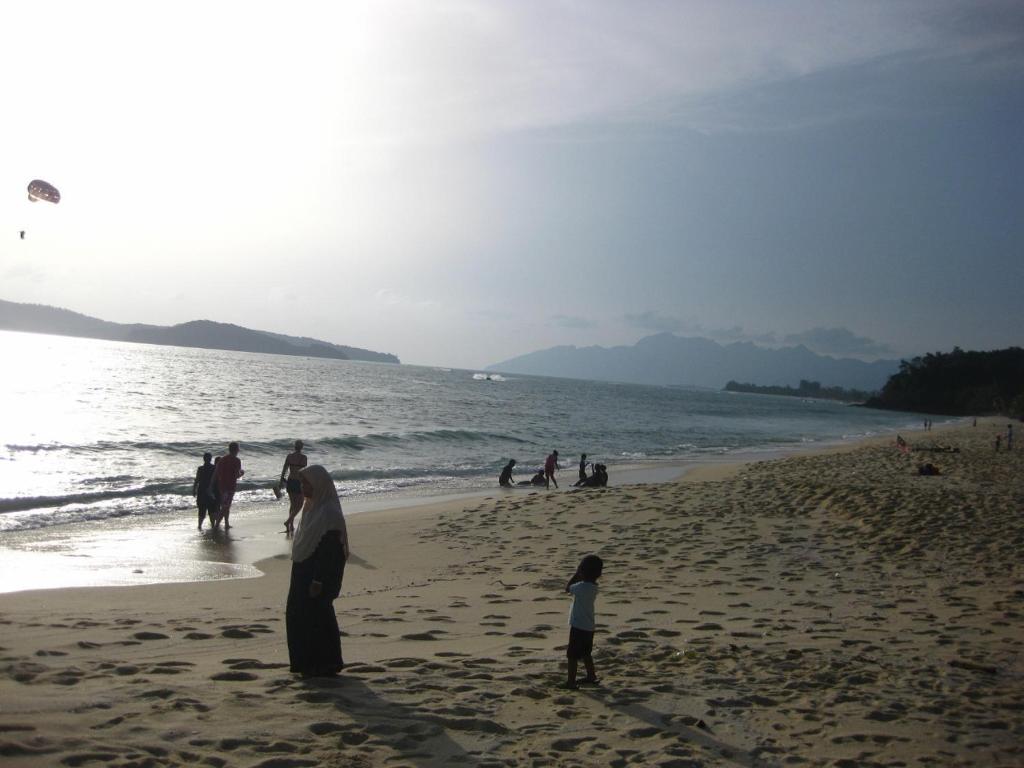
column 23, row 503
column 277, row 446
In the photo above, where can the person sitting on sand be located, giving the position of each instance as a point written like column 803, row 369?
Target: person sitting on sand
column 293, row 463
column 583, row 588
column 598, row 479
column 505, row 478
column 537, row 479
column 928, row 469
column 319, row 552
column 583, row 470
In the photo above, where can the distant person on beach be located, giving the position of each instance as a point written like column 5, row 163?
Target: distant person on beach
column 294, row 462
column 537, row 479
column 319, row 552
column 597, row 479
column 505, row 478
column 550, row 465
column 205, row 500
column 583, row 470
column 1009, row 437
column 999, row 442
column 583, row 588
column 225, row 477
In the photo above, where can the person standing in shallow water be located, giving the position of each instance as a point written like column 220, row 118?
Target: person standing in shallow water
column 205, row 500
column 293, row 463
column 225, row 476
column 319, row 552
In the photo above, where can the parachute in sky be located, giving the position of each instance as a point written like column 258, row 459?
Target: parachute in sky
column 43, row 190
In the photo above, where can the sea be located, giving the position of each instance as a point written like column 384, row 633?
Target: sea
column 99, row 435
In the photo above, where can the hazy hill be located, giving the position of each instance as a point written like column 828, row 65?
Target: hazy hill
column 206, row 334
column 668, row 359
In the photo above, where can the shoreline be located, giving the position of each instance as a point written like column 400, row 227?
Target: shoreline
column 164, row 549
column 835, row 607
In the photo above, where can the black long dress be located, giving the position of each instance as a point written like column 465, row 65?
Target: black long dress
column 314, row 641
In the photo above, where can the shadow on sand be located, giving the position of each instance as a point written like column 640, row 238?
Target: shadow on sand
column 678, row 727
column 413, row 734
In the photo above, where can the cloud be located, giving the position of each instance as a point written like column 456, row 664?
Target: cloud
column 571, row 321
column 392, row 298
column 655, row 321
column 839, row 341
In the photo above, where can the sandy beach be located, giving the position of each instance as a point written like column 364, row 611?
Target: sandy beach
column 831, row 609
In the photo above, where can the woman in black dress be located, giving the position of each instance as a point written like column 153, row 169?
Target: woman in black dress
column 319, row 552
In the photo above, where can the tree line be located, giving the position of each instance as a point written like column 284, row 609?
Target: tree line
column 957, row 383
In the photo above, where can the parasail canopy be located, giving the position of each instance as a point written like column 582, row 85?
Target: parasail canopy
column 43, row 190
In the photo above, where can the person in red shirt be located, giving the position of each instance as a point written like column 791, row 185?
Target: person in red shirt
column 550, row 465
column 225, row 477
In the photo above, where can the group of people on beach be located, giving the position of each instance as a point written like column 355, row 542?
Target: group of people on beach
column 320, row 550
column 217, row 480
column 215, row 484
column 546, row 475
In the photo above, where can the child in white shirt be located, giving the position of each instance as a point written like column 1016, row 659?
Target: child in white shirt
column 583, row 588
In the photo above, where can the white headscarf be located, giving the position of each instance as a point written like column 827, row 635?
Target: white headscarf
column 320, row 514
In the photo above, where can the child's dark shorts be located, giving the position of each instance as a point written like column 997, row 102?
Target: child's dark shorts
column 581, row 643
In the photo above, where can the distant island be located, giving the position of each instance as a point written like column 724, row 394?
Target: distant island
column 665, row 359
column 806, row 388
column 203, row 334
column 958, row 383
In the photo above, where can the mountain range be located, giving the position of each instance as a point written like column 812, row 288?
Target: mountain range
column 205, row 334
column 667, row 359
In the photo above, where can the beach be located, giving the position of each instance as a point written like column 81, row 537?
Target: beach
column 827, row 609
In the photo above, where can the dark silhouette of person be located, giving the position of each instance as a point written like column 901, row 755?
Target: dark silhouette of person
column 205, row 500
column 294, row 463
column 505, row 478
column 583, row 469
column 538, row 479
column 550, row 465
column 319, row 552
column 225, row 476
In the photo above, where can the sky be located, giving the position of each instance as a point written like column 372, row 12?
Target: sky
column 461, row 182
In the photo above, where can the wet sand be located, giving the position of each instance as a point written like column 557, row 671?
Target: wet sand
column 834, row 609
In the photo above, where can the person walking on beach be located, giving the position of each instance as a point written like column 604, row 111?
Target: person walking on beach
column 505, row 478
column 225, row 477
column 294, row 462
column 205, row 500
column 319, row 552
column 583, row 588
column 550, row 465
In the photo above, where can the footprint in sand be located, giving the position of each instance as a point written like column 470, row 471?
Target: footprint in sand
column 429, row 635
column 234, row 677
column 150, row 636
